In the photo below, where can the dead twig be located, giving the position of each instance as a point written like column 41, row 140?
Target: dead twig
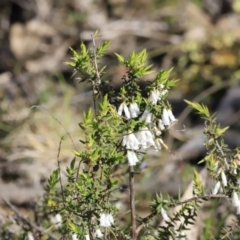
column 22, row 219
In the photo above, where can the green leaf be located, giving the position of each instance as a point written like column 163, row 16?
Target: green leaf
column 95, row 34
column 202, row 109
column 77, row 153
column 73, row 228
column 120, row 58
column 103, row 48
column 220, row 131
column 53, row 179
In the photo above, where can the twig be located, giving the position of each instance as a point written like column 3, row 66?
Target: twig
column 97, row 72
column 24, row 220
column 37, row 106
column 223, row 155
column 95, row 60
column 59, row 168
column 132, row 203
column 150, row 216
column 229, row 232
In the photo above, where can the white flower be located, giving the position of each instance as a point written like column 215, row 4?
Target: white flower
column 56, row 220
column 216, row 188
column 235, row 201
column 132, row 158
column 155, row 95
column 147, row 116
column 145, row 138
column 74, row 237
column 182, row 236
column 123, row 108
column 171, row 117
column 134, row 110
column 160, row 125
column 99, row 233
column 130, row 142
column 120, row 109
column 164, row 215
column 224, row 178
column 238, row 208
column 30, row 236
column 167, row 117
column 87, row 237
column 164, row 92
column 106, row 220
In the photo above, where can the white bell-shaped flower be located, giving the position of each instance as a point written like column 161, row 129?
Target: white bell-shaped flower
column 147, row 116
column 164, row 215
column 57, row 220
column 182, row 236
column 165, row 117
column 132, row 158
column 145, row 138
column 106, row 220
column 168, row 117
column 216, row 188
column 30, row 236
column 99, row 233
column 154, row 96
column 224, row 178
column 124, row 108
column 130, row 142
column 74, row 237
column 235, row 200
column 134, row 110
column 238, row 208
column 171, row 116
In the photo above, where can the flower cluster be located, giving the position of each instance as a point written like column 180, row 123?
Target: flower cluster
column 130, row 112
column 144, row 139
column 106, row 220
column 156, row 95
column 141, row 140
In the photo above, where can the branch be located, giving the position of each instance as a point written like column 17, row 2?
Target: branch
column 24, row 220
column 154, row 213
column 59, row 167
column 95, row 60
column 132, row 203
column 223, row 155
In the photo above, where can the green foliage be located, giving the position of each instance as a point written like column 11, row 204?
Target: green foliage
column 202, row 110
column 109, row 132
column 120, row 128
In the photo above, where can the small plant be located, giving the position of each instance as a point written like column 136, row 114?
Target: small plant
column 117, row 133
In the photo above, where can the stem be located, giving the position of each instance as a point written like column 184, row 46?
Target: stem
column 59, row 167
column 223, row 155
column 154, row 213
column 132, row 203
